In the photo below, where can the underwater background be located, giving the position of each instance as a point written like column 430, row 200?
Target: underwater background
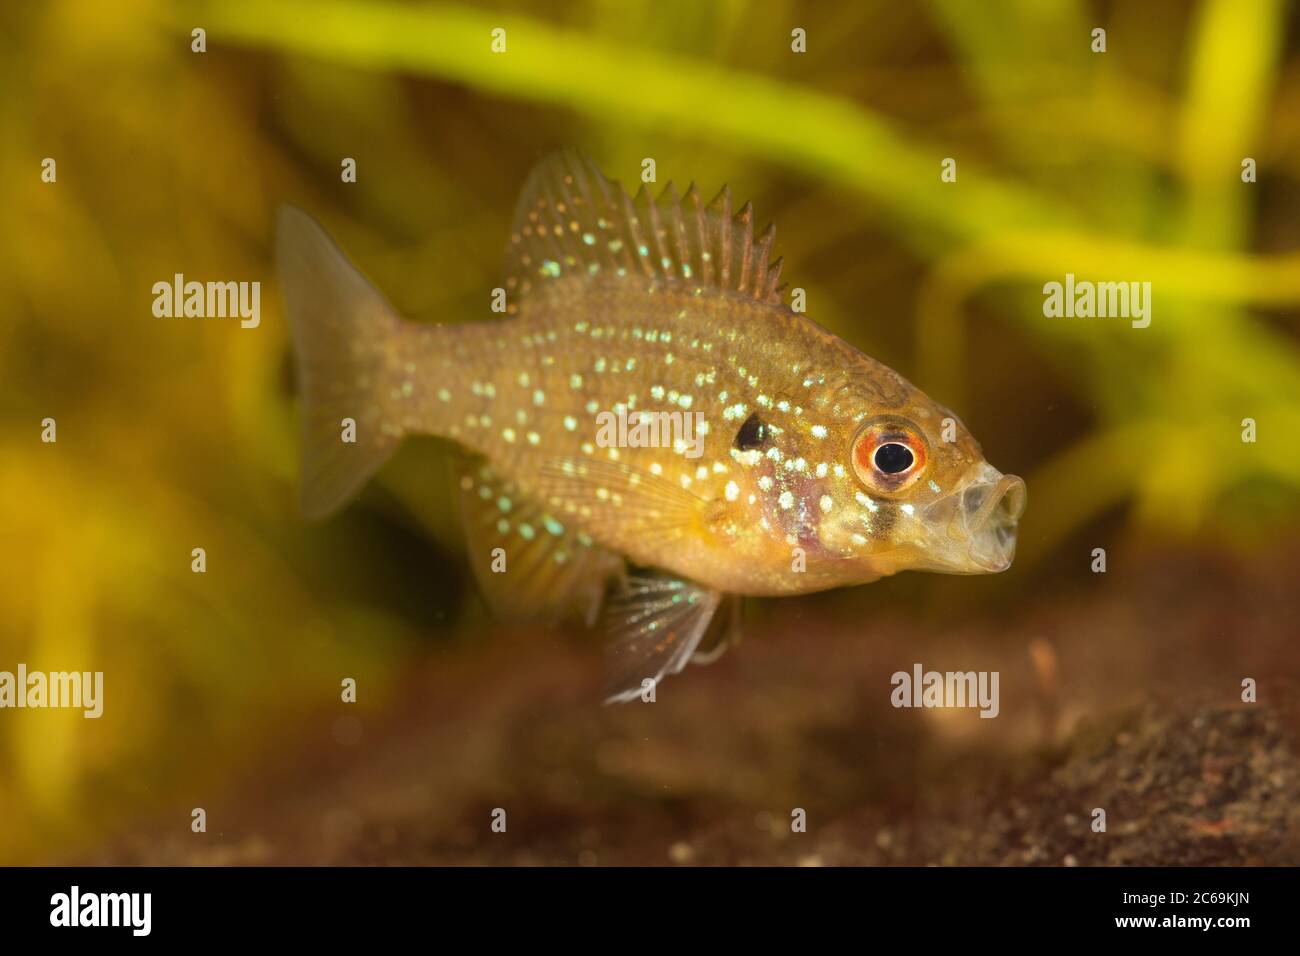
column 1120, row 689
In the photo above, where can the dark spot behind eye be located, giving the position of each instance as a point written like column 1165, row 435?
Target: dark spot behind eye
column 752, row 433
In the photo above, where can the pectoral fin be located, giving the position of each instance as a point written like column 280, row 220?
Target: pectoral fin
column 655, row 625
column 613, row 499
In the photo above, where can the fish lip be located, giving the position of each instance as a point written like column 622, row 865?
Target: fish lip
column 997, row 557
column 972, row 529
column 979, row 521
column 993, row 526
column 1006, row 493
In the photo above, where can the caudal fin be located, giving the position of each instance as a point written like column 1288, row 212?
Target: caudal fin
column 343, row 331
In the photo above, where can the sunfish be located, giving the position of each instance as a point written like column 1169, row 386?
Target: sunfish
column 755, row 452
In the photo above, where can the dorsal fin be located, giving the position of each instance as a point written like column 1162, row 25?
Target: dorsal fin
column 571, row 219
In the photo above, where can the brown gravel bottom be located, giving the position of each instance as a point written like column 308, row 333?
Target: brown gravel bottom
column 1124, row 697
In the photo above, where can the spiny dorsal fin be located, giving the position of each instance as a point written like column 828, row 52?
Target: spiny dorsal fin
column 572, row 220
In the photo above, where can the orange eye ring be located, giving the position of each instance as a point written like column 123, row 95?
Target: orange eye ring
column 889, row 455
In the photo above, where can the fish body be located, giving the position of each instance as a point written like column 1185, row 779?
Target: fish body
column 649, row 401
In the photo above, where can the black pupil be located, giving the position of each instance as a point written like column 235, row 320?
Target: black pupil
column 891, row 458
column 751, row 433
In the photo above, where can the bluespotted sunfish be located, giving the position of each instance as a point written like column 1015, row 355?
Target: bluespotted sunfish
column 649, row 433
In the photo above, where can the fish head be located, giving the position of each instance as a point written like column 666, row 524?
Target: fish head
column 899, row 483
column 922, row 495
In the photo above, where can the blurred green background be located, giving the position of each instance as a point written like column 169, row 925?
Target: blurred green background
column 175, row 434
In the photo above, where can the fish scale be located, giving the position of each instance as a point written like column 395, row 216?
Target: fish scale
column 674, row 351
column 622, row 305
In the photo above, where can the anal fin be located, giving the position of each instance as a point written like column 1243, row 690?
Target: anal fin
column 548, row 569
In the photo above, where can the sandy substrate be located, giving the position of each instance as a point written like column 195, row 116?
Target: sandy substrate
column 1125, row 699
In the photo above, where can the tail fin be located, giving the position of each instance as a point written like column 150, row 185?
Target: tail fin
column 342, row 332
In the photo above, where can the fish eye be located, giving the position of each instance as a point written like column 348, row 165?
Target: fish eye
column 893, row 457
column 752, row 433
column 889, row 455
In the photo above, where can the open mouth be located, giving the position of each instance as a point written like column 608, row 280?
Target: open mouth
column 974, row 527
column 989, row 511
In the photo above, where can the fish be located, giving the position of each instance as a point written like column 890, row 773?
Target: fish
column 757, row 454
